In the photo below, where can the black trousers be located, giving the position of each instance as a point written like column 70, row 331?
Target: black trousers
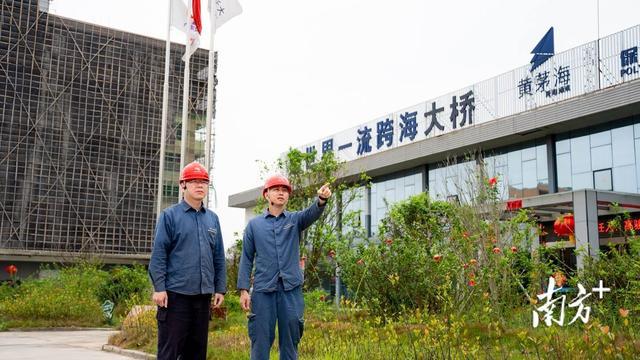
column 183, row 327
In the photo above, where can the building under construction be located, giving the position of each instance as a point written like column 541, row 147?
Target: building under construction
column 80, row 125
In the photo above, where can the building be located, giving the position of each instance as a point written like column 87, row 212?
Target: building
column 562, row 138
column 80, row 120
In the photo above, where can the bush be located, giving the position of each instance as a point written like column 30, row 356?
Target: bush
column 139, row 331
column 69, row 300
column 443, row 258
column 619, row 269
column 127, row 286
column 74, row 297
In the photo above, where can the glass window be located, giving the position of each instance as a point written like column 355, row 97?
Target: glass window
column 624, row 178
column 582, row 162
column 452, row 186
column 529, row 177
column 440, row 190
column 514, row 167
column 388, row 192
column 515, row 190
column 501, row 160
column 586, row 156
column 490, row 166
column 563, row 146
column 504, row 187
column 582, row 181
column 528, row 153
column 541, row 158
column 601, row 138
column 623, row 146
column 602, row 179
column 637, row 141
column 600, row 157
column 355, row 202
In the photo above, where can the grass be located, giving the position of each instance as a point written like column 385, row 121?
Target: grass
column 352, row 334
column 72, row 298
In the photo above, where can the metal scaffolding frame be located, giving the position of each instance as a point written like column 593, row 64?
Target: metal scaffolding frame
column 80, row 111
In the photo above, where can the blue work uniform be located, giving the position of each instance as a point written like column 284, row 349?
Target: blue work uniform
column 188, row 262
column 273, row 243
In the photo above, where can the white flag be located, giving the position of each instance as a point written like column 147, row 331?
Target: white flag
column 224, row 10
column 179, row 15
column 187, row 20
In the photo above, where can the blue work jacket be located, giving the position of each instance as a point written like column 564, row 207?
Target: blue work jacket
column 274, row 244
column 188, row 253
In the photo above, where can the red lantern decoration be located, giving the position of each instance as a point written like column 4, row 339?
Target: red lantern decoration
column 564, row 225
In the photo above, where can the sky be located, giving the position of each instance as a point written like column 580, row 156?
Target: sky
column 291, row 72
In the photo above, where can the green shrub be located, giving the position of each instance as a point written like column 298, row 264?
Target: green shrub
column 443, row 258
column 126, row 286
column 74, row 296
column 52, row 303
column 619, row 270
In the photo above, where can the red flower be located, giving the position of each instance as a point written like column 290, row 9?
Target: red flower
column 388, row 241
column 11, row 269
column 332, row 254
column 437, row 258
column 360, row 262
column 623, row 312
column 559, row 278
column 322, row 298
column 514, row 249
column 472, row 282
column 496, row 250
column 492, row 182
column 473, row 261
column 465, row 265
column 465, row 234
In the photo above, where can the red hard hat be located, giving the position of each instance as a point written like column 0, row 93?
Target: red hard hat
column 194, row 171
column 276, row 180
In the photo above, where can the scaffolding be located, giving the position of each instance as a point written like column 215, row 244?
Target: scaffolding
column 80, row 117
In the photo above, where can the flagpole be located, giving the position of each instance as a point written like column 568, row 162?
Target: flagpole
column 165, row 109
column 209, row 142
column 598, row 41
column 185, row 108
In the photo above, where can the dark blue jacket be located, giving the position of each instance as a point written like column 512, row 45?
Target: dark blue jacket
column 274, row 244
column 188, row 253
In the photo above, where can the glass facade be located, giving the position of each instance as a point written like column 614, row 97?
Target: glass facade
column 80, row 120
column 387, row 192
column 600, row 158
column 451, row 180
column 606, row 157
column 522, row 171
column 355, row 201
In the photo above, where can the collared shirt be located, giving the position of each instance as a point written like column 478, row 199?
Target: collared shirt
column 274, row 244
column 188, row 253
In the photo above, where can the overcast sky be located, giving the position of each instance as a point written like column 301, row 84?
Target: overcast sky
column 294, row 71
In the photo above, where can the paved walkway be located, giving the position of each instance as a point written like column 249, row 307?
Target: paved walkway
column 56, row 345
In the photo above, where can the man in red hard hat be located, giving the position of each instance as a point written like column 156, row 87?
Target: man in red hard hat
column 272, row 241
column 187, row 266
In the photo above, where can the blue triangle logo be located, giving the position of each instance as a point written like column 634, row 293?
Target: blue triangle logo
column 543, row 51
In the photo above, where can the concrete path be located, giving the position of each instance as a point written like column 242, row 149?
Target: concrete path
column 56, row 345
